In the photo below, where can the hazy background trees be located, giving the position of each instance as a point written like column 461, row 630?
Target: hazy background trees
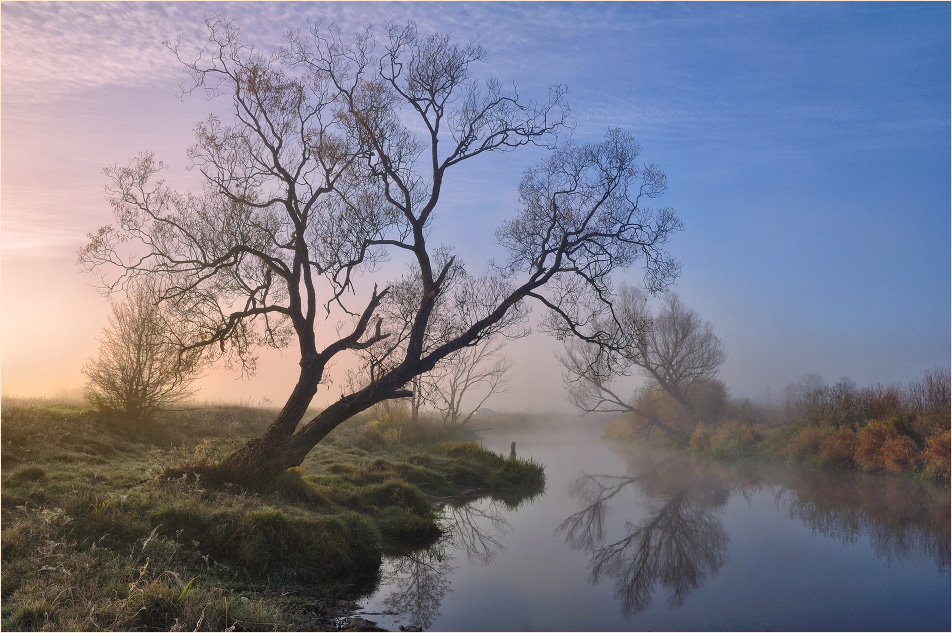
column 465, row 382
column 141, row 368
column 672, row 347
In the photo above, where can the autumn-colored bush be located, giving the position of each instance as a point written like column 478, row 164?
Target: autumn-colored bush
column 869, row 445
column 936, row 456
column 701, row 438
column 927, row 424
column 844, row 404
column 899, row 454
column 619, row 429
column 901, row 428
column 804, row 444
column 837, row 449
column 734, row 440
column 668, row 420
column 881, row 445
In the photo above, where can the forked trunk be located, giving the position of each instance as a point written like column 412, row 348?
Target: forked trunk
column 262, row 459
column 252, row 461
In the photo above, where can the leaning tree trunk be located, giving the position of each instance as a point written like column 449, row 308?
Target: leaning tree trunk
column 262, row 459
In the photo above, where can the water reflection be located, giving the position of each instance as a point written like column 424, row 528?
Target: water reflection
column 677, row 545
column 674, row 538
column 474, row 525
column 902, row 519
column 420, row 580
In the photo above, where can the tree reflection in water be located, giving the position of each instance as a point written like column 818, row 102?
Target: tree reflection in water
column 901, row 518
column 420, row 582
column 473, row 524
column 681, row 542
column 677, row 546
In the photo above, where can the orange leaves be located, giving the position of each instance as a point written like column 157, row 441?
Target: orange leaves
column 838, row 449
column 936, row 456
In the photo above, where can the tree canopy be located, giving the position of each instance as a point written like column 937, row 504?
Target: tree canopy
column 334, row 161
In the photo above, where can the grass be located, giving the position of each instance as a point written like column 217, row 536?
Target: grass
column 93, row 538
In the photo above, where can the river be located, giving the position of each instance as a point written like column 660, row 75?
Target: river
column 627, row 538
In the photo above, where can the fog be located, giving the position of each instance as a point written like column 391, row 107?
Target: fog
column 633, row 538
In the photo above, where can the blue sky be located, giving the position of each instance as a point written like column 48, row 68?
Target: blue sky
column 806, row 147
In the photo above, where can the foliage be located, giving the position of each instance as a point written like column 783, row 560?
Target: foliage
column 657, row 414
column 814, row 402
column 894, row 429
column 733, row 440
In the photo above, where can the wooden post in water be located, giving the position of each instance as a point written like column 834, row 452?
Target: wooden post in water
column 512, row 451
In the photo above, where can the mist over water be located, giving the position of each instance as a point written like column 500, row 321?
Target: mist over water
column 628, row 538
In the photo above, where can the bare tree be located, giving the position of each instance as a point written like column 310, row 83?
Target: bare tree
column 675, row 349
column 678, row 545
column 480, row 370
column 420, row 581
column 139, row 369
column 335, row 160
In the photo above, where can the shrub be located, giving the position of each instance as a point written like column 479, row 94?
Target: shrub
column 701, row 438
column 139, row 371
column 899, row 454
column 735, row 441
column 370, row 439
column 936, row 456
column 869, row 445
column 882, row 446
column 927, row 424
column 837, row 449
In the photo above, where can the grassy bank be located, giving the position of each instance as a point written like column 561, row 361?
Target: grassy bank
column 94, row 537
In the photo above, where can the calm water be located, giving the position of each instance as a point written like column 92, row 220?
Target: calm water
column 628, row 539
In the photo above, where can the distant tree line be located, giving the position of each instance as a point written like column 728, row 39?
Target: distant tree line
column 897, row 428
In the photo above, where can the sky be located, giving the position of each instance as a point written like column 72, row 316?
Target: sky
column 806, row 146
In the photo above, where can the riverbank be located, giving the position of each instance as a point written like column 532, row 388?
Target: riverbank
column 95, row 538
column 910, row 445
column 899, row 429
